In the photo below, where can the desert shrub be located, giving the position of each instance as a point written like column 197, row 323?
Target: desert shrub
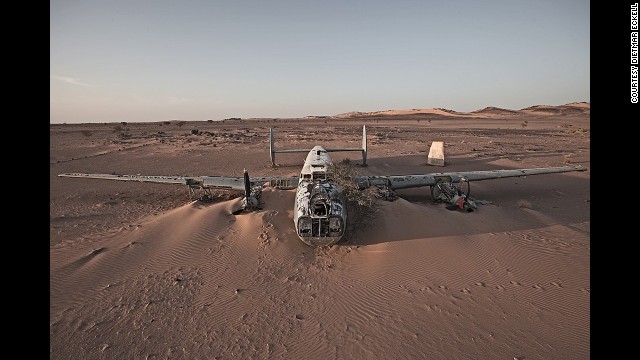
column 195, row 132
column 362, row 206
column 567, row 158
column 524, row 204
column 180, row 123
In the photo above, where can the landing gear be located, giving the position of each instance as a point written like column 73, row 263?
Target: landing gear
column 199, row 193
column 251, row 199
column 447, row 192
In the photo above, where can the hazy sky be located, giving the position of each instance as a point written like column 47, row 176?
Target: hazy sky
column 155, row 60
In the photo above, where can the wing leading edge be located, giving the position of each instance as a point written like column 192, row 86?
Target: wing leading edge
column 396, row 182
column 207, row 182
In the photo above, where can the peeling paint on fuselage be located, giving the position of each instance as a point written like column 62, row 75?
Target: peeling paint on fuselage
column 320, row 215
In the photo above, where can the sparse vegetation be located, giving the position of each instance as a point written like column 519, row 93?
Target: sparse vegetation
column 567, row 158
column 122, row 132
column 524, row 204
column 180, row 123
column 86, row 132
column 362, row 206
column 196, row 132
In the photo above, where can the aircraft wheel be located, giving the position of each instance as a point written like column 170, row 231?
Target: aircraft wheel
column 435, row 190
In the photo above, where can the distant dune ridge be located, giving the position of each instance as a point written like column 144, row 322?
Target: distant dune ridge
column 140, row 271
column 576, row 108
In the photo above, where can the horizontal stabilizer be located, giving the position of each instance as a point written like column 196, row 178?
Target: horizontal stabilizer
column 363, row 149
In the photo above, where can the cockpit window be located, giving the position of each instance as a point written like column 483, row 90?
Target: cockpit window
column 319, row 176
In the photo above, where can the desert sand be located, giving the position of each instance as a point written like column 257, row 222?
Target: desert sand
column 140, row 271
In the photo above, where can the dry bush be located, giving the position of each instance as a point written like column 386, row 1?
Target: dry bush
column 524, row 204
column 121, row 132
column 567, row 158
column 362, row 206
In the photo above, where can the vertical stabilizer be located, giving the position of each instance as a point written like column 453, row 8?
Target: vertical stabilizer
column 272, row 148
column 364, row 145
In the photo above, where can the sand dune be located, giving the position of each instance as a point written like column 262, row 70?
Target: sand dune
column 580, row 108
column 191, row 281
column 212, row 283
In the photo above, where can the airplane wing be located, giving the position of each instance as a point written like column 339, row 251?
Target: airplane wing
column 206, row 182
column 396, row 182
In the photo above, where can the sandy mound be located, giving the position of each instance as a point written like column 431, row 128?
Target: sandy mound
column 568, row 109
column 199, row 282
column 571, row 109
column 492, row 110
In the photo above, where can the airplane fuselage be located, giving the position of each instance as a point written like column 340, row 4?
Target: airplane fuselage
column 320, row 212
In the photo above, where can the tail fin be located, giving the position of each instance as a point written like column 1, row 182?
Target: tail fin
column 364, row 145
column 272, row 148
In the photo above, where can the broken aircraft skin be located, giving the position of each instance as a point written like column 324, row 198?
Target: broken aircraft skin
column 320, row 212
